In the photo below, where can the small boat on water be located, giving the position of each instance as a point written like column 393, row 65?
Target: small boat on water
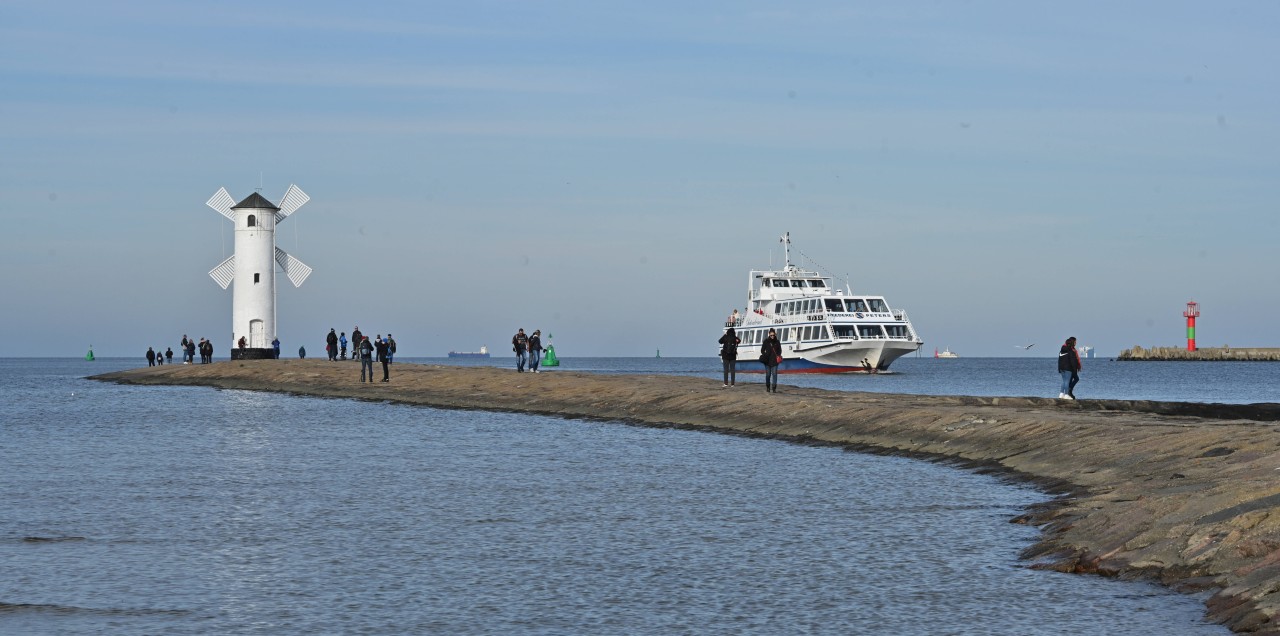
column 822, row 329
column 482, row 353
column 946, row 353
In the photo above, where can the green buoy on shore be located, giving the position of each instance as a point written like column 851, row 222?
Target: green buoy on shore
column 89, row 356
column 549, row 358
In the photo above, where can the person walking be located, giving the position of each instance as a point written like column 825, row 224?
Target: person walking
column 535, row 350
column 364, row 352
column 151, row 357
column 342, row 346
column 331, row 345
column 771, row 356
column 729, row 355
column 518, row 344
column 1069, row 369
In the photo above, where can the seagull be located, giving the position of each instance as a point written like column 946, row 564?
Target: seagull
column 1024, row 346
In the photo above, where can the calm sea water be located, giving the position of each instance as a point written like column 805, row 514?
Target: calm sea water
column 179, row 510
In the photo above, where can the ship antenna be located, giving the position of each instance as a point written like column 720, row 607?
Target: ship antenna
column 786, row 248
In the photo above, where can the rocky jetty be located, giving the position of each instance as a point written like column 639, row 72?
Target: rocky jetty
column 1219, row 354
column 1184, row 494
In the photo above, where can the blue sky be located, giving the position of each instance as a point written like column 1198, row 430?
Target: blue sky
column 1007, row 172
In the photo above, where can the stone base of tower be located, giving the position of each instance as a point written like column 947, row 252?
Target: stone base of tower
column 253, row 354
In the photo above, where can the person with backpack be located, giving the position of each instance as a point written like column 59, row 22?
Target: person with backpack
column 342, row 346
column 729, row 356
column 518, row 344
column 364, row 352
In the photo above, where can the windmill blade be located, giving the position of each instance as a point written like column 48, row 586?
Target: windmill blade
column 222, row 202
column 224, row 272
column 296, row 270
column 294, row 198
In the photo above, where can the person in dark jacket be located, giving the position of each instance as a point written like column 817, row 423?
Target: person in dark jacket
column 380, row 344
column 771, row 356
column 729, row 342
column 168, row 355
column 535, row 349
column 357, row 339
column 331, row 345
column 151, row 357
column 1069, row 368
column 364, row 353
column 518, row 344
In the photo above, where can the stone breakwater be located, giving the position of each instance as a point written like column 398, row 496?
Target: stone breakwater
column 1185, row 494
column 1218, row 354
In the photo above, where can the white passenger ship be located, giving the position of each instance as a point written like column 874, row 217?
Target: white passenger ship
column 822, row 329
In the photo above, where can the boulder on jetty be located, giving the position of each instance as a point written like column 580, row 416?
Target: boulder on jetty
column 1185, row 494
column 1220, row 354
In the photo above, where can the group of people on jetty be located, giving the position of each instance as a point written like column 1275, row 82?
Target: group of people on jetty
column 771, row 356
column 528, row 348
column 188, row 347
column 380, row 349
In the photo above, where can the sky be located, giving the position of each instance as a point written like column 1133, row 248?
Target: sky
column 1007, row 172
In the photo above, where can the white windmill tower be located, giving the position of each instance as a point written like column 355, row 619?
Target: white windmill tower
column 252, row 266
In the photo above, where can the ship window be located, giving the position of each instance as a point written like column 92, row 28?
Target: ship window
column 878, row 305
column 797, row 283
column 780, row 283
column 813, row 306
column 869, row 331
column 817, row 283
column 897, row 331
column 253, row 220
column 766, row 282
column 822, row 332
column 844, row 331
column 856, row 304
column 834, row 304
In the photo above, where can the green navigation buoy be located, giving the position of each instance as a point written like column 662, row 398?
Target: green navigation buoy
column 659, row 355
column 549, row 358
column 89, row 356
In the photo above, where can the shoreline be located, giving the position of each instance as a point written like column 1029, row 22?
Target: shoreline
column 1179, row 493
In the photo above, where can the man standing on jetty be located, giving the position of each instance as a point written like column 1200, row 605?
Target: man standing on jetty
column 518, row 344
column 364, row 351
column 1069, row 368
column 331, row 345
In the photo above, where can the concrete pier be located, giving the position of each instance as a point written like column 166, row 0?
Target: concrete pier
column 1184, row 494
column 1219, row 354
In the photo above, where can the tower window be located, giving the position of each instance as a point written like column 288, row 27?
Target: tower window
column 256, row 277
column 253, row 220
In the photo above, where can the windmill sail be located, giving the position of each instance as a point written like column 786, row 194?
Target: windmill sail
column 222, row 202
column 224, row 272
column 296, row 270
column 294, row 198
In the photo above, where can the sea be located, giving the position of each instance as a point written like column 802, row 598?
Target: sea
column 191, row 510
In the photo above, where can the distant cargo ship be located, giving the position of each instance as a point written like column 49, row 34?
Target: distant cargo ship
column 482, row 353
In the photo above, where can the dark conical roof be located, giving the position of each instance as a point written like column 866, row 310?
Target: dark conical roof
column 255, row 200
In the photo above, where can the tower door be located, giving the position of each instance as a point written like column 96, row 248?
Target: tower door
column 257, row 339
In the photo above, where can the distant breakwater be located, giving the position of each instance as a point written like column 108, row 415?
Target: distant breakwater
column 1215, row 354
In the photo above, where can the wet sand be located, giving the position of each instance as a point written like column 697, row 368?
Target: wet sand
column 1184, row 494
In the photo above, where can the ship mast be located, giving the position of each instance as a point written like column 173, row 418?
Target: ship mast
column 786, row 249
